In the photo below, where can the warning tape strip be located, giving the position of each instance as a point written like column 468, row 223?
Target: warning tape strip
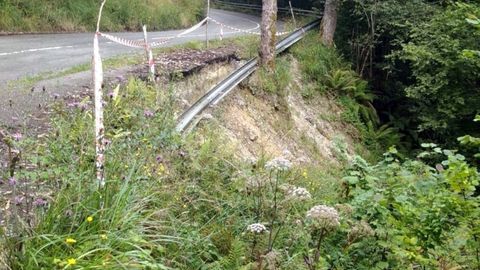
column 242, row 30
column 123, row 41
column 193, row 28
column 141, row 44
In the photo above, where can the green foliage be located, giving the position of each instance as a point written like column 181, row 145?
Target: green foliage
column 420, row 58
column 329, row 73
column 72, row 15
column 444, row 91
column 423, row 216
column 277, row 81
column 316, row 61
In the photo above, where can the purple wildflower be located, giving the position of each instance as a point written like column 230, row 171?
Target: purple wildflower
column 148, row 113
column 72, row 104
column 159, row 159
column 82, row 107
column 17, row 136
column 19, row 199
column 12, row 181
column 40, row 202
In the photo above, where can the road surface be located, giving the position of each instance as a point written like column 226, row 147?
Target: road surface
column 27, row 55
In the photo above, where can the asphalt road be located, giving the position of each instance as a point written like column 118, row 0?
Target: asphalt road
column 27, row 55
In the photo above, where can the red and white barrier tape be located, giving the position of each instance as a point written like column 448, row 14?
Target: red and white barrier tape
column 123, row 41
column 142, row 44
column 242, row 30
column 193, row 28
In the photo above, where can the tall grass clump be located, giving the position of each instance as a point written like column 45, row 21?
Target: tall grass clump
column 78, row 226
column 119, row 15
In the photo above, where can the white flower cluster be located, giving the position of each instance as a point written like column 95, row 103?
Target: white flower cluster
column 361, row 229
column 299, row 193
column 278, row 164
column 324, row 216
column 254, row 183
column 257, row 228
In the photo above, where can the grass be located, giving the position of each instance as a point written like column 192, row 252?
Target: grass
column 170, row 202
column 119, row 15
column 174, row 202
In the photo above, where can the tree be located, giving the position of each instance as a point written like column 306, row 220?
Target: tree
column 329, row 22
column 268, row 31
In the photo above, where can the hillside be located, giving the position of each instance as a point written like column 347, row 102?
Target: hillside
column 80, row 16
column 162, row 170
column 291, row 171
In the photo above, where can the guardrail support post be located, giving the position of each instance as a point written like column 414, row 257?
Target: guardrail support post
column 148, row 51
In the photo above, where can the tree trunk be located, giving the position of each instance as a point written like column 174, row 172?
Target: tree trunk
column 268, row 30
column 329, row 22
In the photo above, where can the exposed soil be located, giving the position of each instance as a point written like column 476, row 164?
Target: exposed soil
column 256, row 124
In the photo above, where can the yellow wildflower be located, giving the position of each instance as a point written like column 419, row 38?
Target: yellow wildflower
column 89, row 219
column 305, row 174
column 103, row 236
column 70, row 241
column 71, row 261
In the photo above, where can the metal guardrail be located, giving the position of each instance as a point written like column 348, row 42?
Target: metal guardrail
column 259, row 7
column 218, row 92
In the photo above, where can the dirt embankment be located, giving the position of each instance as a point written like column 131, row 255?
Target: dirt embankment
column 308, row 131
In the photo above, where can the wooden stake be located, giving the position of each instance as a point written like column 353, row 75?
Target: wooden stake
column 148, row 51
column 293, row 15
column 97, row 87
column 206, row 25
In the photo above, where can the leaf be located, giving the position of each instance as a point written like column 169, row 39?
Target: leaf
column 116, row 100
column 428, row 145
column 473, row 21
column 352, row 180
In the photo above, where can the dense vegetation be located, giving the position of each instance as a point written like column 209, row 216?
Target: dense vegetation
column 418, row 58
column 188, row 203
column 406, row 75
column 74, row 15
column 421, row 61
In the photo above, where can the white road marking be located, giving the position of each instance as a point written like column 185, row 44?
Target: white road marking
column 36, row 50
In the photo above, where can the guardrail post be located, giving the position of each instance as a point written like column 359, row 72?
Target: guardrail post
column 148, row 51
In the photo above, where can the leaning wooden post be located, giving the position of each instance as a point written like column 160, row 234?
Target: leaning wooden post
column 293, row 15
column 148, row 51
column 206, row 25
column 97, row 88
